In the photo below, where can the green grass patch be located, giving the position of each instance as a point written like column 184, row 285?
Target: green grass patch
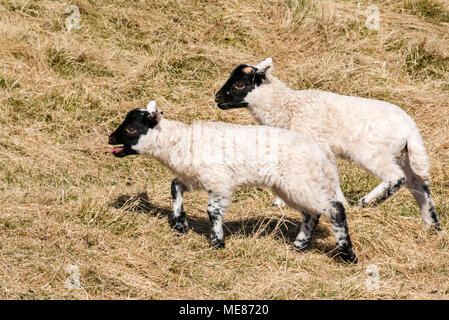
column 422, row 62
column 431, row 10
column 28, row 7
column 68, row 65
column 8, row 84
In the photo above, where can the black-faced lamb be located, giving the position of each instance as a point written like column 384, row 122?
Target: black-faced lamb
column 218, row 157
column 378, row 135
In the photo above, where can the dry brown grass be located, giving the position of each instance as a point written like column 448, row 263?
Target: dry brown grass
column 64, row 200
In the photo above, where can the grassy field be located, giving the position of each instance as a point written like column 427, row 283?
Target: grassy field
column 65, row 200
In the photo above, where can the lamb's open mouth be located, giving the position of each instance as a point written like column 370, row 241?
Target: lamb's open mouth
column 118, row 149
column 119, row 152
column 123, row 151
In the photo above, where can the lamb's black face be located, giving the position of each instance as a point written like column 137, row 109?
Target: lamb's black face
column 243, row 79
column 136, row 124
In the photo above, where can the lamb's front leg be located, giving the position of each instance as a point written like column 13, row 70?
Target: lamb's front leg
column 178, row 216
column 308, row 225
column 215, row 209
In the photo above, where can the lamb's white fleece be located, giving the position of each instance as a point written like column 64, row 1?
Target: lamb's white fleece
column 218, row 157
column 378, row 135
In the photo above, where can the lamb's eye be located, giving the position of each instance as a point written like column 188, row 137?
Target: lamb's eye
column 130, row 130
column 239, row 86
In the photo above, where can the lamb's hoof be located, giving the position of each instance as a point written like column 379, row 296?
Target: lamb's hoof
column 278, row 203
column 301, row 246
column 347, row 256
column 362, row 203
column 217, row 244
column 434, row 227
column 181, row 227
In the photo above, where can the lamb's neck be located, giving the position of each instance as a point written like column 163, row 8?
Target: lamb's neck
column 268, row 104
column 166, row 142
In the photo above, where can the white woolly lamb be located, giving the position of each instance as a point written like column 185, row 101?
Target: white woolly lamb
column 218, row 157
column 378, row 135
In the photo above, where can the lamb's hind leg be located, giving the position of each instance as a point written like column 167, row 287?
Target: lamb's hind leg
column 337, row 216
column 308, row 225
column 278, row 202
column 215, row 209
column 393, row 178
column 420, row 191
column 178, row 216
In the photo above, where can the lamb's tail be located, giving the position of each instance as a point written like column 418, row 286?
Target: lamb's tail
column 418, row 158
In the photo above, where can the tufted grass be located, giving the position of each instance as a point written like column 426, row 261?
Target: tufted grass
column 64, row 200
column 432, row 10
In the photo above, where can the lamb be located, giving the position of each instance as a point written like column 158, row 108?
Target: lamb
column 377, row 135
column 218, row 157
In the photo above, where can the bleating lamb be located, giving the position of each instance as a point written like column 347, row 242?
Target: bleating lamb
column 218, row 157
column 378, row 135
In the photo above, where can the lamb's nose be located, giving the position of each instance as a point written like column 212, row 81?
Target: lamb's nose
column 112, row 140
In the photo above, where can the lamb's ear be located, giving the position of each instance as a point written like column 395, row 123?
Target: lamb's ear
column 249, row 69
column 151, row 106
column 265, row 67
column 154, row 115
column 153, row 119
